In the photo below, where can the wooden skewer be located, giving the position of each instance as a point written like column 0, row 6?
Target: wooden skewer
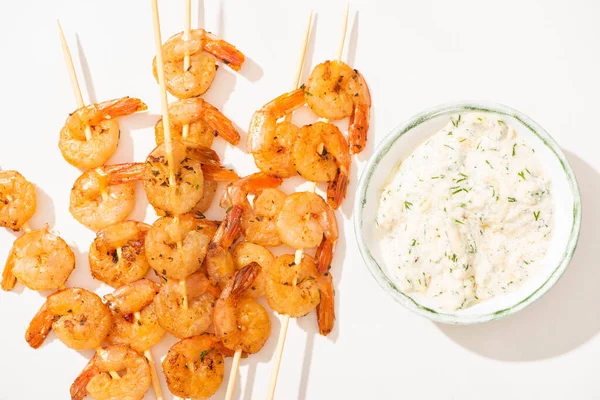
column 299, row 252
column 298, row 256
column 160, row 69
column 186, row 59
column 153, row 374
column 233, row 375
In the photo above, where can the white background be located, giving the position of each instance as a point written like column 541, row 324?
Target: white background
column 539, row 57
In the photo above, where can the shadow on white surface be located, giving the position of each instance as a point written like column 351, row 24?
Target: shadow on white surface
column 87, row 74
column 44, row 213
column 567, row 316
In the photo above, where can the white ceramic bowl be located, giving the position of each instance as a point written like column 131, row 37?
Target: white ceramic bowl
column 401, row 142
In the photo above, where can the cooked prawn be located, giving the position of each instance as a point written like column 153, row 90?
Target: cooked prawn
column 117, row 256
column 83, row 153
column 17, row 200
column 241, row 323
column 245, row 253
column 134, row 320
column 189, row 178
column 208, row 194
column 321, row 154
column 198, row 77
column 261, row 226
column 271, row 142
column 40, row 260
column 218, row 261
column 204, row 120
column 194, row 367
column 78, row 317
column 176, row 247
column 95, row 380
column 291, row 288
column 334, row 91
column 305, row 220
column 197, row 317
column 105, row 195
column 256, row 227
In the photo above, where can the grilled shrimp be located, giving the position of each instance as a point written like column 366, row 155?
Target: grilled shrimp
column 188, row 176
column 271, row 142
column 260, row 227
column 208, row 194
column 134, row 320
column 197, row 317
column 117, row 256
column 321, row 154
column 176, row 246
column 92, row 153
column 291, row 288
column 245, row 253
column 78, row 317
column 334, row 91
column 218, row 261
column 257, row 227
column 40, row 260
column 105, row 195
column 17, row 200
column 305, row 220
column 194, row 367
column 241, row 323
column 95, row 380
column 204, row 120
column 198, row 77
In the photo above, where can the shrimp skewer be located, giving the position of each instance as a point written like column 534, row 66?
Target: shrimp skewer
column 99, row 144
column 297, row 258
column 186, row 57
column 160, row 72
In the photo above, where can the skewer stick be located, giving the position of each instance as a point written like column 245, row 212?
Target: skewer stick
column 234, row 367
column 72, row 75
column 298, row 256
column 186, row 59
column 160, row 69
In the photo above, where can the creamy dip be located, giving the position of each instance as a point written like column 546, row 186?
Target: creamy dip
column 468, row 216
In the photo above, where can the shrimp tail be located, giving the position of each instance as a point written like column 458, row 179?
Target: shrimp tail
column 326, row 308
column 336, row 190
column 124, row 173
column 244, row 278
column 324, row 255
column 221, row 124
column 79, row 387
column 203, row 154
column 359, row 120
column 357, row 132
column 39, row 327
column 224, row 51
column 257, row 181
column 219, row 174
column 232, row 226
column 8, row 279
column 121, row 107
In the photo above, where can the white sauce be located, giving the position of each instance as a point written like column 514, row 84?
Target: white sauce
column 468, row 216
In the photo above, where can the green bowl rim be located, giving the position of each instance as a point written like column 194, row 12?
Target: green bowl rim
column 383, row 148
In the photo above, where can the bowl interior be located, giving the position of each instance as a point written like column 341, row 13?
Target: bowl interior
column 401, row 142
